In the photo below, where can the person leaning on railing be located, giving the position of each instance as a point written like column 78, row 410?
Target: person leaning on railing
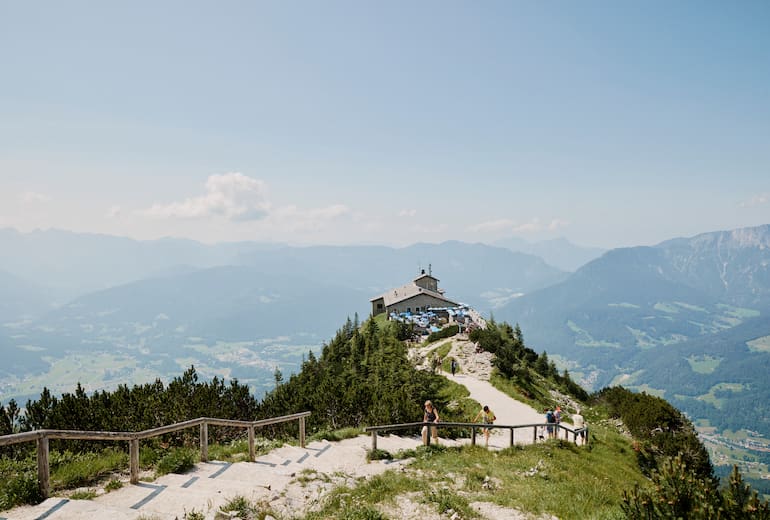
column 489, row 418
column 580, row 425
column 430, row 416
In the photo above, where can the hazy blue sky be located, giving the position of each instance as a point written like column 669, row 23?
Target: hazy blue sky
column 609, row 123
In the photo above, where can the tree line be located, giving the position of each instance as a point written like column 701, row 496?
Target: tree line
column 136, row 408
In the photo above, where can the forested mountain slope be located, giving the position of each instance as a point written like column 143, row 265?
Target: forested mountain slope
column 672, row 305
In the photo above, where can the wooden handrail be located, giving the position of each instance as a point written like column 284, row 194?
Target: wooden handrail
column 42, row 438
column 16, row 438
column 154, row 432
column 406, row 426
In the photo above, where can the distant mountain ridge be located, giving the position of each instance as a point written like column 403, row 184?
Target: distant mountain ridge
column 613, row 317
column 264, row 308
column 608, row 322
column 731, row 265
column 558, row 252
column 70, row 265
column 20, row 298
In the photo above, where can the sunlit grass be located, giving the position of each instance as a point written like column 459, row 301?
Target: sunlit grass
column 238, row 450
column 552, row 478
column 72, row 470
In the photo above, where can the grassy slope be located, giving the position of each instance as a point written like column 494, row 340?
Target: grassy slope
column 555, row 477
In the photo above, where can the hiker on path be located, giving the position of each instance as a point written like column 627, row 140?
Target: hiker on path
column 489, row 417
column 557, row 419
column 453, row 366
column 550, row 420
column 430, row 416
column 580, row 425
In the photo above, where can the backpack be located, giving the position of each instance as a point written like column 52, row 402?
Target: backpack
column 549, row 417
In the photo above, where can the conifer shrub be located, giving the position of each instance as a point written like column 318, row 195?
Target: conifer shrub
column 678, row 492
column 740, row 501
column 661, row 431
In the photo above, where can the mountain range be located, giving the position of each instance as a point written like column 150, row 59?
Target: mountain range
column 684, row 319
column 558, row 252
column 234, row 310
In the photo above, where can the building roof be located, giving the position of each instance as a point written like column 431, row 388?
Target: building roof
column 423, row 275
column 407, row 291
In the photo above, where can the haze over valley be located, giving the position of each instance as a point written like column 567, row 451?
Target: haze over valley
column 686, row 319
column 223, row 186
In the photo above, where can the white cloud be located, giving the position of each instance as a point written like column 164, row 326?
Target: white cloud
column 557, row 223
column 407, row 213
column 233, row 196
column 31, row 197
column 114, row 212
column 534, row 225
column 757, row 200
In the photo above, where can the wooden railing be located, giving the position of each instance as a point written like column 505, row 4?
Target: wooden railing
column 583, row 432
column 43, row 436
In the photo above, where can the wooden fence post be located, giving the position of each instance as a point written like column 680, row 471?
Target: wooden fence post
column 534, row 435
column 43, row 468
column 301, row 432
column 252, row 452
column 473, row 435
column 374, row 440
column 204, row 441
column 512, row 430
column 133, row 456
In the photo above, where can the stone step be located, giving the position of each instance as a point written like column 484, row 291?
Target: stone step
column 61, row 508
column 209, row 485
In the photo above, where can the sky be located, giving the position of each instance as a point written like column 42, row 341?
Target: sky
column 608, row 123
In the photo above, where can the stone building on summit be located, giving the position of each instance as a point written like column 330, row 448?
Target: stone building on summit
column 418, row 296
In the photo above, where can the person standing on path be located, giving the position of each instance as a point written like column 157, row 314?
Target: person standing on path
column 489, row 417
column 453, row 366
column 550, row 421
column 430, row 416
column 580, row 425
column 557, row 419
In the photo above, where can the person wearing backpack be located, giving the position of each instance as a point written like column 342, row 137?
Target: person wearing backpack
column 557, row 419
column 489, row 417
column 550, row 420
